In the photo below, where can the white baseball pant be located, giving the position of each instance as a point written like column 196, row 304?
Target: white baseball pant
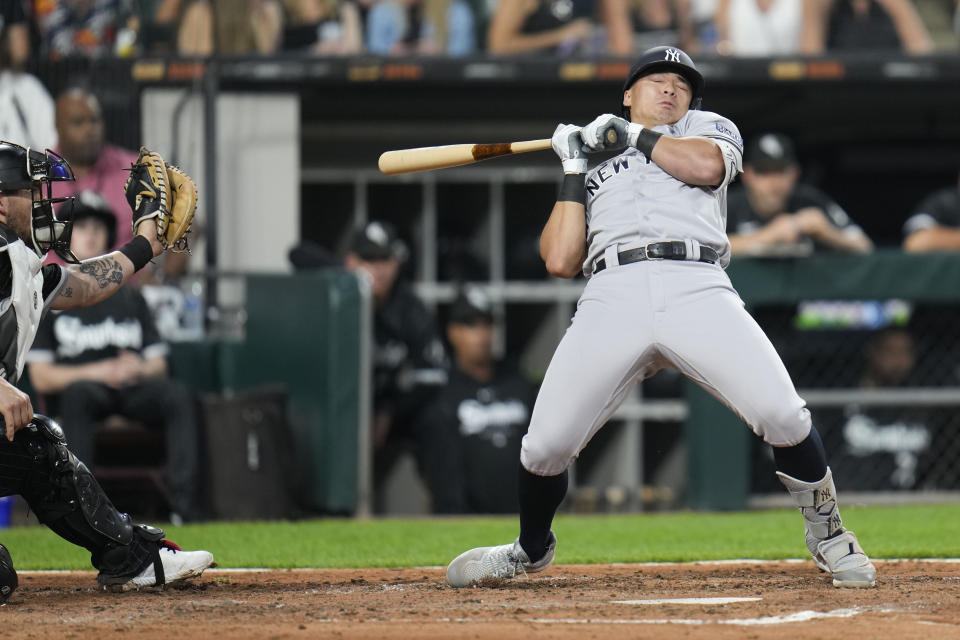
column 635, row 319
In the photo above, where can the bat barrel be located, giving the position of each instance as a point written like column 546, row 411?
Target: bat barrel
column 453, row 155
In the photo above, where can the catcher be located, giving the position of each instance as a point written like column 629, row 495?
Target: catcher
column 34, row 459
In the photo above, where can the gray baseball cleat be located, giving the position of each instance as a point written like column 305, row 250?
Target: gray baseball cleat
column 834, row 549
column 843, row 558
column 500, row 562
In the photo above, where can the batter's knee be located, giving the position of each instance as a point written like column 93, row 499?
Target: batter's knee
column 544, row 456
column 783, row 424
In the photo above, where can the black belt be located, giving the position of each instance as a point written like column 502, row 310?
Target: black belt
column 675, row 250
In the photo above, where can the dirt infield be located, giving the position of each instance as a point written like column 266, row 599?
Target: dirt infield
column 726, row 600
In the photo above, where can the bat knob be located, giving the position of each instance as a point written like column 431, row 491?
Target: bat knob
column 611, row 135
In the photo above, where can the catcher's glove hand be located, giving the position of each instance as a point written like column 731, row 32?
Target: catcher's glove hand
column 158, row 190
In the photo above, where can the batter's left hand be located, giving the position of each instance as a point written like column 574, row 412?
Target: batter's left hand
column 609, row 133
column 569, row 148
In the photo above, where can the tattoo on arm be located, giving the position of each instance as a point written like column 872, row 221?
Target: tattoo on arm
column 67, row 292
column 105, row 271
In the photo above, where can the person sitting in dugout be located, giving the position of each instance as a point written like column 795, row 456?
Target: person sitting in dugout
column 772, row 213
column 470, row 432
column 109, row 359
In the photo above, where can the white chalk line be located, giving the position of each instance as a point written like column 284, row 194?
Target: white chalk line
column 800, row 616
column 686, row 601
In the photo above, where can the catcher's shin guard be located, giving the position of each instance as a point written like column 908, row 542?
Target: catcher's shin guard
column 8, row 575
column 834, row 549
column 66, row 497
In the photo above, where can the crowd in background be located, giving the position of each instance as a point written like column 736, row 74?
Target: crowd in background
column 54, row 29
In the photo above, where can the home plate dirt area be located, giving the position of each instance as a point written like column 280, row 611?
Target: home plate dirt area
column 912, row 599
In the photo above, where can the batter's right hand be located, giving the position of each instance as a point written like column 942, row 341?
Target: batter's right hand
column 609, row 133
column 568, row 145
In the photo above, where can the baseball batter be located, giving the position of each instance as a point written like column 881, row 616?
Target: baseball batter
column 647, row 228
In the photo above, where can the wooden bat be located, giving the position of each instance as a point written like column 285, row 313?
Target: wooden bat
column 401, row 161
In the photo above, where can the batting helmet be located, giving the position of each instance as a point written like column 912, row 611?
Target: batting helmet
column 25, row 168
column 659, row 59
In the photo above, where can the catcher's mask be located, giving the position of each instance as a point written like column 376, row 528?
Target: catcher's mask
column 659, row 59
column 26, row 168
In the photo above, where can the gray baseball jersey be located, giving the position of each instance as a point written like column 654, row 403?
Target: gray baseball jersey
column 634, row 319
column 631, row 201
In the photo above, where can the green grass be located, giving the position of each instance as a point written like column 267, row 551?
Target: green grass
column 885, row 532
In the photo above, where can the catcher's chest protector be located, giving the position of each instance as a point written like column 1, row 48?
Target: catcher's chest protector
column 25, row 303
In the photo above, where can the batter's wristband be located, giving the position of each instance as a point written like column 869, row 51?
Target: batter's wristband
column 647, row 140
column 139, row 251
column 573, row 188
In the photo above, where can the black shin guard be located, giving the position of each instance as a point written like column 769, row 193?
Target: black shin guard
column 806, row 461
column 540, row 496
column 66, row 497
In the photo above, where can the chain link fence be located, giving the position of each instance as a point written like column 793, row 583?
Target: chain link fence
column 881, row 381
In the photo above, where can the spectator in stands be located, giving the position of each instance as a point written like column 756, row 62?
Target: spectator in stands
column 26, row 107
column 229, row 27
column 323, row 27
column 662, row 22
column 561, row 27
column 107, row 359
column 26, row 110
column 935, row 223
column 410, row 27
column 766, row 27
column 772, row 213
column 98, row 165
column 81, row 27
column 870, row 25
column 470, row 434
column 14, row 35
column 155, row 23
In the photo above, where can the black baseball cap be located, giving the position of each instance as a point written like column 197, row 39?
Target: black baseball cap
column 90, row 204
column 471, row 306
column 770, row 152
column 377, row 241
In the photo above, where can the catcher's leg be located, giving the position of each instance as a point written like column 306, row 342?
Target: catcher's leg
column 66, row 497
column 8, row 576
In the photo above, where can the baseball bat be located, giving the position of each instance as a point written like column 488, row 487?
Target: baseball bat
column 401, row 161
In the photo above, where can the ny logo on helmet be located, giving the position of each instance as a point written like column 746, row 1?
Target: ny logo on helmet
column 672, row 55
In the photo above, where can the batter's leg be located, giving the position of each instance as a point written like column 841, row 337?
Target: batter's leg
column 595, row 365
column 599, row 359
column 713, row 340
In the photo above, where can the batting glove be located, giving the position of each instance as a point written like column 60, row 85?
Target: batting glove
column 609, row 132
column 567, row 144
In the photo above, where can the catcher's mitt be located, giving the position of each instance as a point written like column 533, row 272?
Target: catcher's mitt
column 158, row 190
